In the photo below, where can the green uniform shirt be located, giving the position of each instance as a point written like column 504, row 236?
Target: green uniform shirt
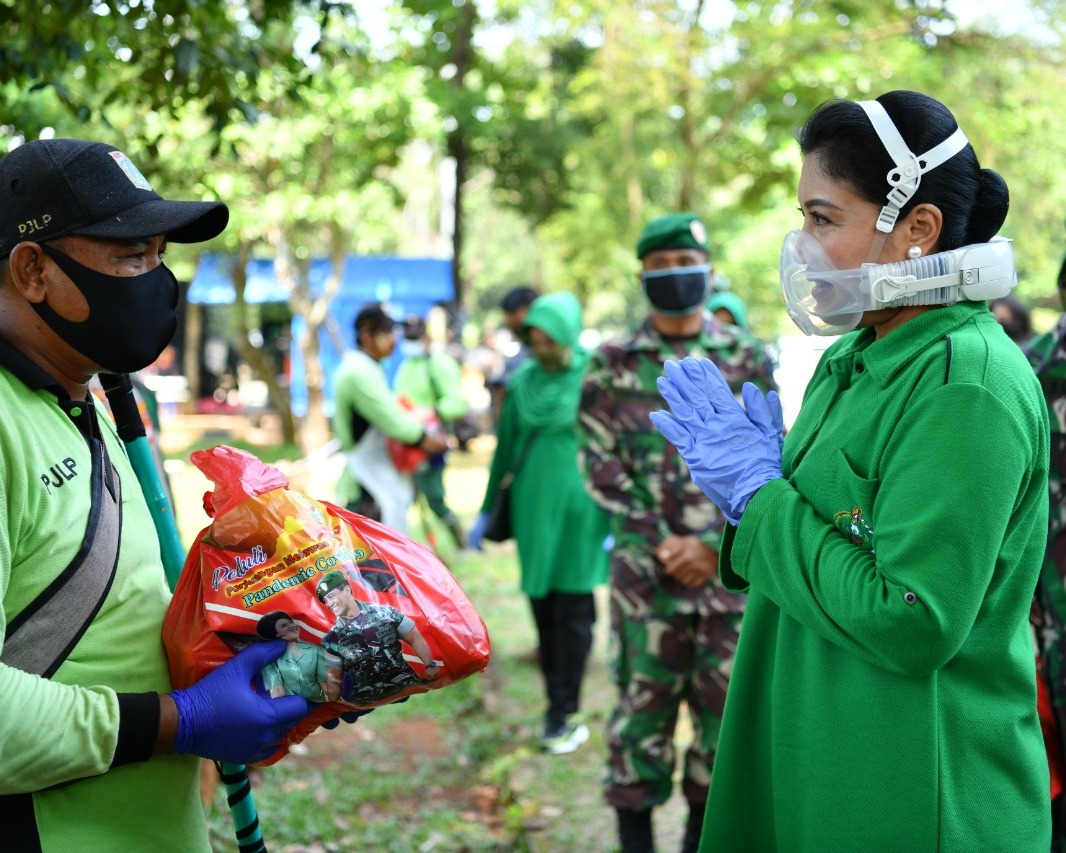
column 74, row 725
column 302, row 672
column 433, row 382
column 883, row 696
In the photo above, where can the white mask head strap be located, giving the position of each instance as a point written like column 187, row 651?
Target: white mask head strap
column 907, row 174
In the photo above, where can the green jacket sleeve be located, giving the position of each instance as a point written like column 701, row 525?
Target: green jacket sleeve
column 367, row 392
column 53, row 732
column 948, row 499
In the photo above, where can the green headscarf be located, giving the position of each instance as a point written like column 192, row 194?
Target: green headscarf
column 550, row 400
column 732, row 303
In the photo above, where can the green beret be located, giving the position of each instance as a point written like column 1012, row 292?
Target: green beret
column 673, row 231
column 330, row 580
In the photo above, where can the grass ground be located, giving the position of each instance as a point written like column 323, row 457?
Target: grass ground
column 455, row 769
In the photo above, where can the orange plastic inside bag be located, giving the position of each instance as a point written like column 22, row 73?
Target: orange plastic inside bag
column 369, row 615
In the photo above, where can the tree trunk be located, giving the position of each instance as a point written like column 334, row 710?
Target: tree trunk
column 457, row 151
column 315, row 312
column 687, row 124
column 462, row 57
column 190, row 359
column 262, row 367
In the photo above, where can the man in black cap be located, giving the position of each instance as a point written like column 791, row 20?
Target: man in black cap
column 366, row 414
column 85, row 694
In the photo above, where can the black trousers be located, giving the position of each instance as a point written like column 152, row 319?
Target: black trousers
column 564, row 627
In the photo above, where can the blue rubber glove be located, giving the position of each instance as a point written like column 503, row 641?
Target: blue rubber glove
column 731, row 453
column 353, row 716
column 477, row 532
column 221, row 717
column 346, row 717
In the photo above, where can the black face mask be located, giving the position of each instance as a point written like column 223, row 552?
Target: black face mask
column 677, row 291
column 131, row 320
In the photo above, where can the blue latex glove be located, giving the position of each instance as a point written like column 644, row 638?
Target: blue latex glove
column 731, row 453
column 477, row 532
column 221, row 717
column 347, row 717
column 353, row 716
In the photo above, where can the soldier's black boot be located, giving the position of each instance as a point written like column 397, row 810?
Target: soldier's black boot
column 634, row 831
column 693, row 829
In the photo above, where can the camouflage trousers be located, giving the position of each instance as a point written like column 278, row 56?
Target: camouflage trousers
column 661, row 658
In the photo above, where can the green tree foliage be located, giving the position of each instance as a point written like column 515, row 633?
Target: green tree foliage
column 161, row 56
column 692, row 113
column 309, row 178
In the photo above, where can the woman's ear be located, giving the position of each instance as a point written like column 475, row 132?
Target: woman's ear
column 922, row 228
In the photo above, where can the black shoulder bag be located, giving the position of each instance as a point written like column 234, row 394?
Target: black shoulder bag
column 499, row 527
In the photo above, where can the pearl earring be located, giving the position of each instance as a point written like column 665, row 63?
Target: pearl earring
column 914, row 252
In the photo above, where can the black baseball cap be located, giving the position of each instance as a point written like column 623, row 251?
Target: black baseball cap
column 53, row 187
column 518, row 297
column 414, row 328
column 374, row 318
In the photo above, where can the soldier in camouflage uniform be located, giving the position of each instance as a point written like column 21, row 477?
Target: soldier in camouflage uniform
column 673, row 626
column 366, row 637
column 1047, row 354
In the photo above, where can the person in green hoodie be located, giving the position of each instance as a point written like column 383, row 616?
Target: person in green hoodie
column 883, row 695
column 729, row 308
column 558, row 529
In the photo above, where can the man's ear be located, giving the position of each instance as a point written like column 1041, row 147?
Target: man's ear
column 25, row 267
column 922, row 227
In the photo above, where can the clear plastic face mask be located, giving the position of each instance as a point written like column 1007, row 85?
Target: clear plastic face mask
column 824, row 300
column 821, row 299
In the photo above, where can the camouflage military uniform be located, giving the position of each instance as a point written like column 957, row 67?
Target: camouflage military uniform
column 670, row 642
column 1047, row 354
column 370, row 652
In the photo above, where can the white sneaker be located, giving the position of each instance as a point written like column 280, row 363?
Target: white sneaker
column 567, row 739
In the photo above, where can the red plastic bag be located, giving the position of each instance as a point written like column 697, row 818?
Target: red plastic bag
column 370, row 615
column 408, row 458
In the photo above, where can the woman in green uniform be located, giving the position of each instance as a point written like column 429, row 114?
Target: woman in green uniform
column 558, row 529
column 883, row 696
column 305, row 669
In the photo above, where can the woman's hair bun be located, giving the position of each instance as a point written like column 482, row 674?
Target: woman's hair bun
column 990, row 207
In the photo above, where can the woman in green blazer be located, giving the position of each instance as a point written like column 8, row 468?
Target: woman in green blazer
column 883, row 696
